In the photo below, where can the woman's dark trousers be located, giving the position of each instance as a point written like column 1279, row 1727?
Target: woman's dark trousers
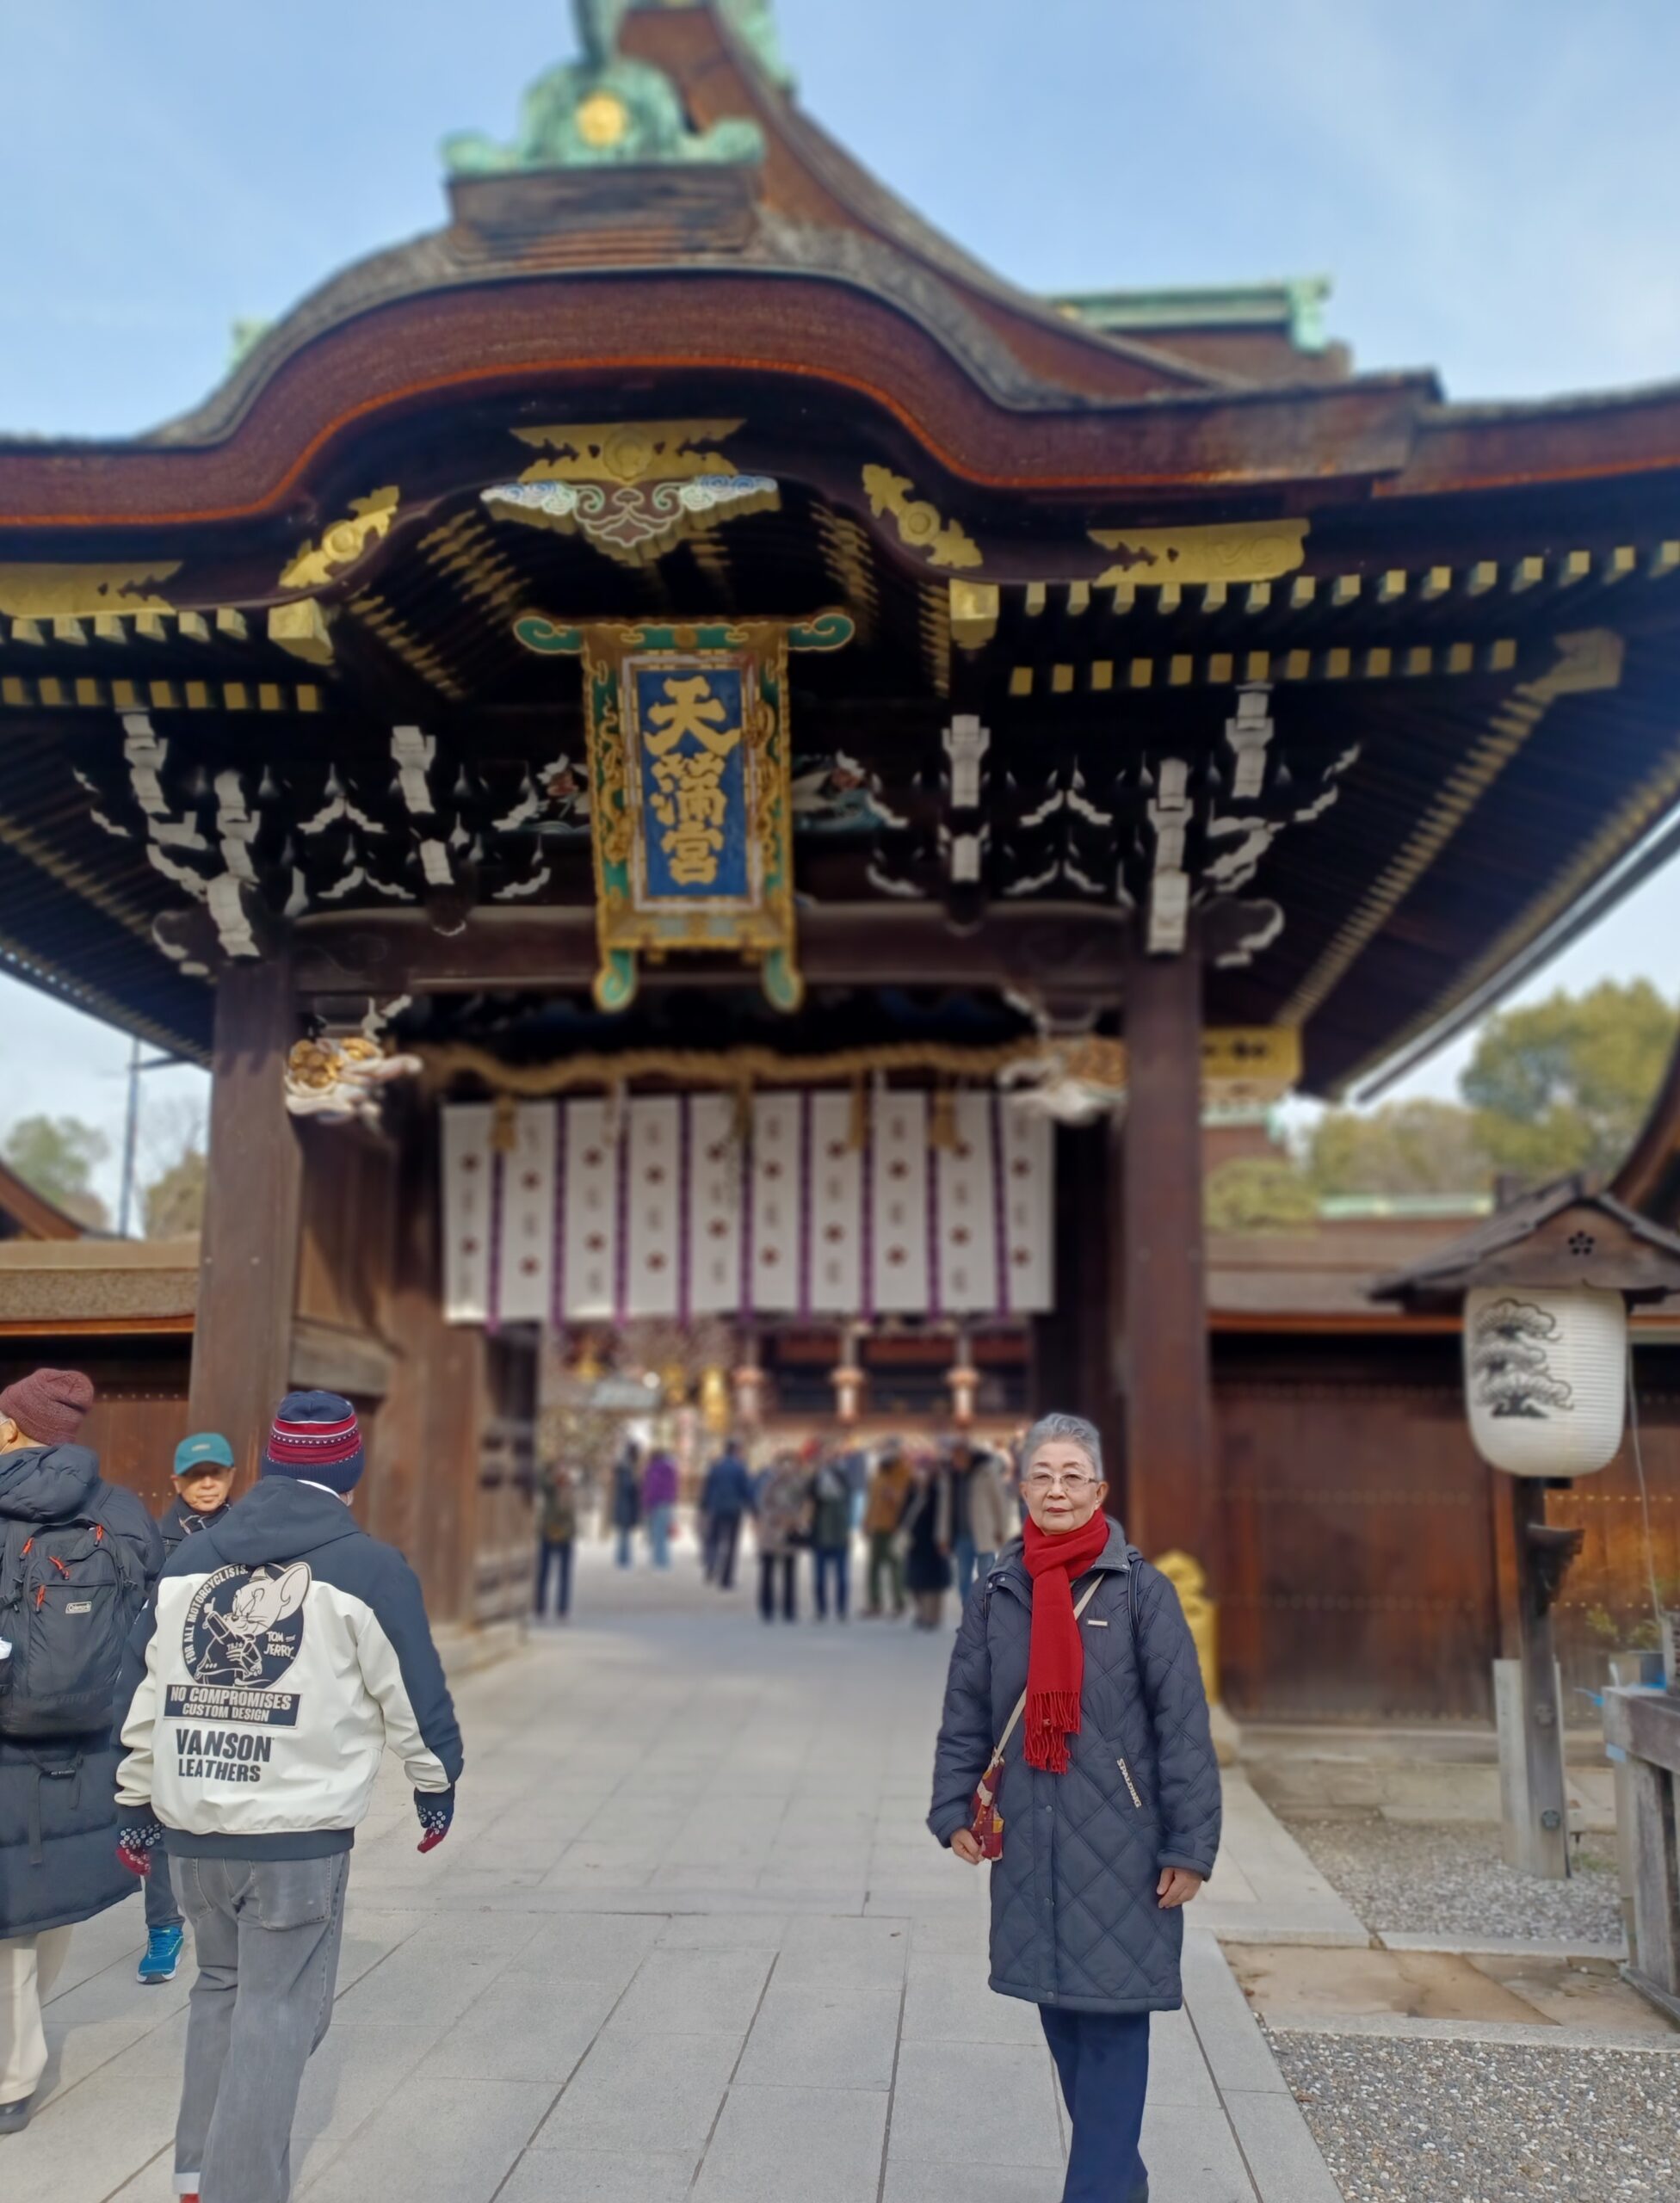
column 554, row 1554
column 723, row 1534
column 1102, row 2058
column 768, row 1565
column 836, row 1561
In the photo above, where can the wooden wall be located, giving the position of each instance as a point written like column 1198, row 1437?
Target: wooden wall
column 345, row 1244
column 1606, row 1603
column 139, row 1412
column 1357, row 1563
column 1361, row 1575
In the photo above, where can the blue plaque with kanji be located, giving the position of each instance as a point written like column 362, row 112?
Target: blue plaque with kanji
column 694, row 770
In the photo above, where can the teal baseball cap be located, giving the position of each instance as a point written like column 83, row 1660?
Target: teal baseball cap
column 205, row 1449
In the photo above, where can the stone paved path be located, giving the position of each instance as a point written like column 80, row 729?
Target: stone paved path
column 687, row 1938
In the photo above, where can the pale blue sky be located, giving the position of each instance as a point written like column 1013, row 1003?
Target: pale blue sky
column 1492, row 183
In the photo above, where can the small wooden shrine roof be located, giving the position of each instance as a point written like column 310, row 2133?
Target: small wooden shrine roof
column 99, row 1286
column 1573, row 1232
column 1082, row 525
column 27, row 1215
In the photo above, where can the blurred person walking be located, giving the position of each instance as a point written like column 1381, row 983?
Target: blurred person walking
column 726, row 1497
column 78, row 1557
column 1104, row 1821
column 627, row 1498
column 832, row 1536
column 660, row 1503
column 989, row 1516
column 782, row 1522
column 557, row 1533
column 927, row 1529
column 285, row 1651
column 203, row 1486
column 958, row 1455
column 883, row 1514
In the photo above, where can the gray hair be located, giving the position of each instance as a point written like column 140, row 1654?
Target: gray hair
column 1074, row 1429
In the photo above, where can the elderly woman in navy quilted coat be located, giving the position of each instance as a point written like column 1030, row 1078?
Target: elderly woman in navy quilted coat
column 1108, row 1794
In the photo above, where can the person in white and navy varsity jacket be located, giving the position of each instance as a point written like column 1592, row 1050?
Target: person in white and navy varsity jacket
column 286, row 1649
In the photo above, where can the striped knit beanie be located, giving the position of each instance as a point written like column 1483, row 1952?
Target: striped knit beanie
column 317, row 1439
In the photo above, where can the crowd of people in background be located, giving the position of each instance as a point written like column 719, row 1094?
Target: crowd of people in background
column 932, row 1517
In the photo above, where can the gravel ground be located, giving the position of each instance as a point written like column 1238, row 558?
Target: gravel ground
column 1431, row 2122
column 1447, row 1878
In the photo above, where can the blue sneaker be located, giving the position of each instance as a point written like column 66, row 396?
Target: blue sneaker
column 162, row 1960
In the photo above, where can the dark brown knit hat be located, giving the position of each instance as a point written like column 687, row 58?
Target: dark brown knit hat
column 49, row 1405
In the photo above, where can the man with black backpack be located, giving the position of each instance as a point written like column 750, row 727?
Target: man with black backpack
column 78, row 1557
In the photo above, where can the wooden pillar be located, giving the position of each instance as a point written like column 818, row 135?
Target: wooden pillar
column 1070, row 1351
column 248, row 1260
column 1169, row 1414
column 1533, row 1804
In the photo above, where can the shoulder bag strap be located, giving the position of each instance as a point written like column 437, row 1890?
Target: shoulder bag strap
column 1010, row 1726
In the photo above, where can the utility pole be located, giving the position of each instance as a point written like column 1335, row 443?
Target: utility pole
column 131, row 1127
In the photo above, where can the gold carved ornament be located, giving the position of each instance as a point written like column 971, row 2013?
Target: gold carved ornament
column 632, row 489
column 344, row 542
column 627, row 451
column 84, row 592
column 1238, row 551
column 975, row 608
column 920, row 525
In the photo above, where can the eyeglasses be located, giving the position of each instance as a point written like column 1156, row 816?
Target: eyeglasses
column 1053, row 1480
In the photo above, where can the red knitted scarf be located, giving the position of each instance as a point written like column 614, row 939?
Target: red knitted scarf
column 1056, row 1661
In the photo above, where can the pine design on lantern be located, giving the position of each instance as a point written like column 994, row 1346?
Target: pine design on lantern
column 1509, row 1362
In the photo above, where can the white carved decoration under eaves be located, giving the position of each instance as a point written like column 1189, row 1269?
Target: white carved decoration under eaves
column 1234, row 841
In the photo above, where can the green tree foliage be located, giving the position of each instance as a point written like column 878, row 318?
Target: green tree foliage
column 1252, row 1193
column 1404, row 1147
column 58, row 1157
column 173, row 1203
column 1565, row 1084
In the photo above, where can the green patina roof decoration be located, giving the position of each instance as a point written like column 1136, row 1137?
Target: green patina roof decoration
column 608, row 108
column 755, row 25
column 1296, row 305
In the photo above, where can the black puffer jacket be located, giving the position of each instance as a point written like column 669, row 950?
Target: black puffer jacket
column 1074, row 1918
column 178, row 1522
column 57, row 1810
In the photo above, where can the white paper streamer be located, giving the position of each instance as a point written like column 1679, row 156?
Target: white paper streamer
column 466, row 1212
column 898, row 1203
column 591, row 1211
column 967, row 1251
column 653, row 1199
column 525, row 1266
column 836, row 1208
column 716, row 1168
column 776, row 1248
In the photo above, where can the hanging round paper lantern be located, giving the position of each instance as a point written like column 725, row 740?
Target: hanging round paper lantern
column 1545, row 1377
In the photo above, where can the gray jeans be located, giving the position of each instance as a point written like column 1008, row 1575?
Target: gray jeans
column 161, row 1909
column 266, row 1934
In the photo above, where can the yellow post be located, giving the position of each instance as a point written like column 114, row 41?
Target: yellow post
column 1189, row 1579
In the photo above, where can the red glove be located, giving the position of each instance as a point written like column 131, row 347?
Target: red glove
column 136, row 1840
column 436, row 1809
